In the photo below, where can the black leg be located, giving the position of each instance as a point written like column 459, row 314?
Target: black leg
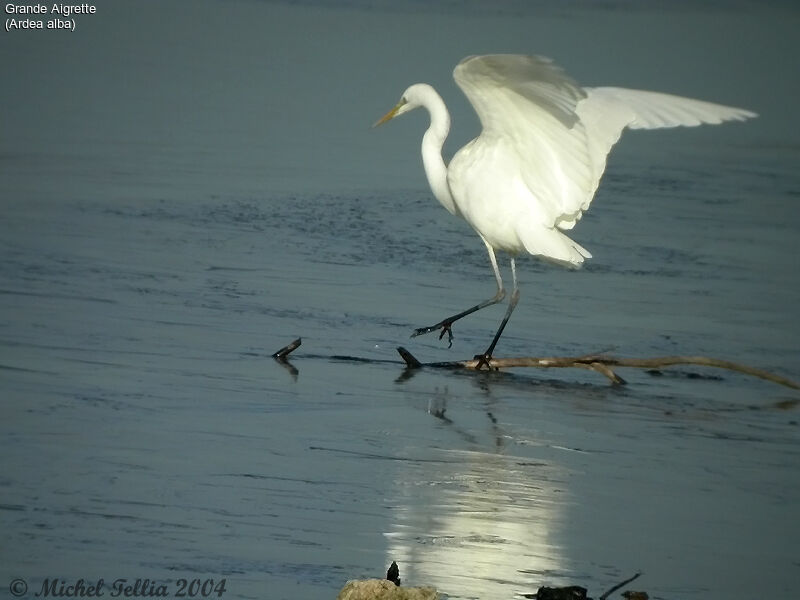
column 483, row 359
column 446, row 324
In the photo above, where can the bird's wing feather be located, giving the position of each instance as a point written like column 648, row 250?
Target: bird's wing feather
column 606, row 111
column 654, row 110
column 563, row 133
column 530, row 103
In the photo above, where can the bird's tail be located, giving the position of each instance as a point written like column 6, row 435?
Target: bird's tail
column 553, row 246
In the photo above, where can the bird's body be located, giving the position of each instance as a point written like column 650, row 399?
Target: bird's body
column 535, row 167
column 486, row 171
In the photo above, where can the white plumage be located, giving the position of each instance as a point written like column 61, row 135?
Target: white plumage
column 535, row 167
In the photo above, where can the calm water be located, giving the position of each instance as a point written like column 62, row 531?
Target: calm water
column 175, row 211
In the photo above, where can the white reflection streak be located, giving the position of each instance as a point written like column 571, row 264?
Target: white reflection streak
column 477, row 524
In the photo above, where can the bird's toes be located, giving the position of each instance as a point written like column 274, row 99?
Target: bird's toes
column 446, row 328
column 483, row 361
column 423, row 331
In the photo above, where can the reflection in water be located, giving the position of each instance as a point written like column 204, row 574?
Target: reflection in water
column 477, row 523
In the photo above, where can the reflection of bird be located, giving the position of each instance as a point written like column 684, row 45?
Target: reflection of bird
column 393, row 574
column 535, row 166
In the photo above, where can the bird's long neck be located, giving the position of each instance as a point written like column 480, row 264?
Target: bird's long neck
column 432, row 142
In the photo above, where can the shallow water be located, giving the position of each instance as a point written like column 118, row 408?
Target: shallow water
column 151, row 267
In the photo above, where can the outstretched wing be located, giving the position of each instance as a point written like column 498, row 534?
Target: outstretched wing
column 606, row 111
column 562, row 133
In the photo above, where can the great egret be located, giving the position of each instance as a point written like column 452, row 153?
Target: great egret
column 534, row 168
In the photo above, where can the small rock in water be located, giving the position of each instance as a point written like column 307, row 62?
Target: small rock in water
column 383, row 589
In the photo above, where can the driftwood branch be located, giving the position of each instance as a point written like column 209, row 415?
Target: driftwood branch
column 603, row 364
column 600, row 363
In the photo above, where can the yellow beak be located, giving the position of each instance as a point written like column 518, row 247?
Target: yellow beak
column 389, row 115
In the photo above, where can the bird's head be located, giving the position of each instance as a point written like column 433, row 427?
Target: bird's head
column 412, row 98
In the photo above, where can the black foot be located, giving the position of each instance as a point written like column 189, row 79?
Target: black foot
column 483, row 361
column 445, row 326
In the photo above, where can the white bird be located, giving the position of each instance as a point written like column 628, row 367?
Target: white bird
column 534, row 168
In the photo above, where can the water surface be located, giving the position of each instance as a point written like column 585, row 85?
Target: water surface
column 175, row 210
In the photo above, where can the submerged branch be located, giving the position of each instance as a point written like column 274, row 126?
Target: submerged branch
column 603, row 364
column 598, row 362
column 284, row 352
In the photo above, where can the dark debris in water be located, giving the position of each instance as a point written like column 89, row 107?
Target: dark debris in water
column 393, row 573
column 572, row 592
column 576, row 592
